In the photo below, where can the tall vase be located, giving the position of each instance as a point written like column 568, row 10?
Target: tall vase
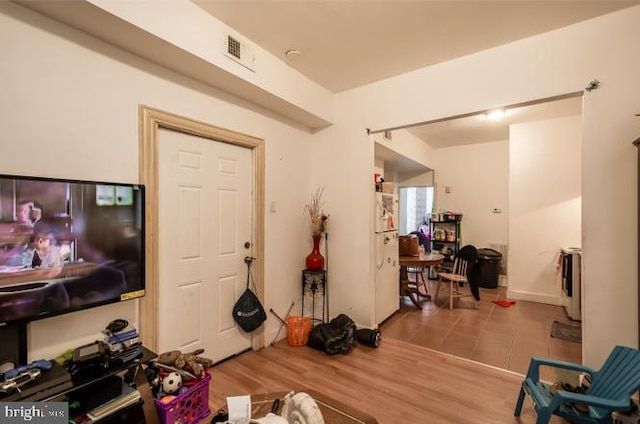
column 315, row 260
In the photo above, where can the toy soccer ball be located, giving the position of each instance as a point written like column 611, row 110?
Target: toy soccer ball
column 171, row 383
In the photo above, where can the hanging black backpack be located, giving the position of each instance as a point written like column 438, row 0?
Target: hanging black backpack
column 248, row 312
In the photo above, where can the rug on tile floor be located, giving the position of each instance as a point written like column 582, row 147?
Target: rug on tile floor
column 569, row 332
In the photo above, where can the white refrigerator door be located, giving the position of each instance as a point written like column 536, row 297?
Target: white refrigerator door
column 378, row 209
column 385, row 212
column 387, row 276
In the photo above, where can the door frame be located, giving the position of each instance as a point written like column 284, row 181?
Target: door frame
column 150, row 121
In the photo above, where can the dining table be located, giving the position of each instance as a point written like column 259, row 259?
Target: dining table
column 410, row 288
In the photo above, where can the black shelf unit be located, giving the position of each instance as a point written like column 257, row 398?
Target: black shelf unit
column 115, row 368
column 446, row 234
column 130, row 414
column 133, row 413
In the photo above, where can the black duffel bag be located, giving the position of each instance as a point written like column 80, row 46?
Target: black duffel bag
column 337, row 336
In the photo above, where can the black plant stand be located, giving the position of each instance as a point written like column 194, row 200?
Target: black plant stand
column 314, row 283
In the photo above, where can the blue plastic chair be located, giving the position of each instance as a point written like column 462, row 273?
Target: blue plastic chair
column 611, row 389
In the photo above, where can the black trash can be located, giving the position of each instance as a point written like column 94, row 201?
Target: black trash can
column 488, row 268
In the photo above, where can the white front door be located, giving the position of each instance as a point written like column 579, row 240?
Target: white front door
column 205, row 204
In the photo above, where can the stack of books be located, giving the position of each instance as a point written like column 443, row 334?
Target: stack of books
column 123, row 345
column 128, row 397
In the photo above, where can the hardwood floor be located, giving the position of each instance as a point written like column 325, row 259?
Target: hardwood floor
column 414, row 377
column 398, row 382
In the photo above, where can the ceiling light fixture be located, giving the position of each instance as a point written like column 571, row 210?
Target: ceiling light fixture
column 495, row 115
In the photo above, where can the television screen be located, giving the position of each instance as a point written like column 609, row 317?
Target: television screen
column 68, row 245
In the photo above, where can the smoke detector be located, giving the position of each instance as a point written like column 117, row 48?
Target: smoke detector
column 239, row 51
column 292, row 54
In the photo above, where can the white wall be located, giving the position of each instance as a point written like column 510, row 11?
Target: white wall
column 378, row 168
column 555, row 63
column 425, row 179
column 69, row 108
column 478, row 178
column 344, row 164
column 544, row 204
column 408, row 146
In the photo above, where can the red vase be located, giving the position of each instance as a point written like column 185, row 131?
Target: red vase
column 315, row 260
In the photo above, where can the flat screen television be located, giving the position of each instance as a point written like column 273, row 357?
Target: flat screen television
column 68, row 245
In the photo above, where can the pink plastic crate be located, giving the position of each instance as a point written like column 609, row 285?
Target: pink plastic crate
column 188, row 408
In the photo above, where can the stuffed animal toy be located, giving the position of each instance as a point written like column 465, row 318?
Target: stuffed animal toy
column 191, row 360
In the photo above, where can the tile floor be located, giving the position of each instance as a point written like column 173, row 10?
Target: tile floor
column 501, row 337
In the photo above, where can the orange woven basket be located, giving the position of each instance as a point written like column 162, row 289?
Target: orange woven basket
column 298, row 329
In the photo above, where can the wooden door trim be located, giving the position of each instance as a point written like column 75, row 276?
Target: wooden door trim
column 150, row 121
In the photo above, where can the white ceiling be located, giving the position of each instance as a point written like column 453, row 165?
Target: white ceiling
column 349, row 43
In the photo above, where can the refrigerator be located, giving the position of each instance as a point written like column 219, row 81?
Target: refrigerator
column 387, row 266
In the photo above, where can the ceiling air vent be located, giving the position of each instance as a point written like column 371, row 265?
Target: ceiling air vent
column 233, row 47
column 239, row 51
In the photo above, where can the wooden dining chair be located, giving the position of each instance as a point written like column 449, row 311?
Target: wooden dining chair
column 456, row 282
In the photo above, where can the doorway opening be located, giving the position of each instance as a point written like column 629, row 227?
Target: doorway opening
column 415, row 207
column 488, row 170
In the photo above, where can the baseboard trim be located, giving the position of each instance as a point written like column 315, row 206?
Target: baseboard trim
column 534, row 297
